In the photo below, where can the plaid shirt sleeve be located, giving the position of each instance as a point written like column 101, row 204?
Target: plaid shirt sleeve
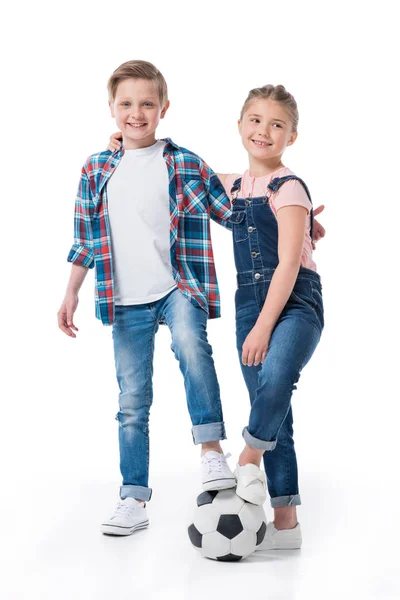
column 82, row 252
column 220, row 206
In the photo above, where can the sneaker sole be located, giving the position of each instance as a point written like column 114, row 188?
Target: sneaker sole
column 120, row 530
column 219, row 484
column 293, row 546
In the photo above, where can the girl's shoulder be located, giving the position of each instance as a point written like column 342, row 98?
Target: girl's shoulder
column 290, row 193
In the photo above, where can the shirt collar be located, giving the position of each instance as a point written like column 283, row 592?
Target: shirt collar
column 119, row 153
column 171, row 143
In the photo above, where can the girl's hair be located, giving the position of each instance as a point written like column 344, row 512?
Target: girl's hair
column 138, row 69
column 277, row 93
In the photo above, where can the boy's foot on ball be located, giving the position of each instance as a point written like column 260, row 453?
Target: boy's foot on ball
column 281, row 539
column 251, row 483
column 128, row 516
column 216, row 472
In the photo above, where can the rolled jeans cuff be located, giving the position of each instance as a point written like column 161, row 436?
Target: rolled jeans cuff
column 208, row 432
column 256, row 443
column 135, row 491
column 286, row 501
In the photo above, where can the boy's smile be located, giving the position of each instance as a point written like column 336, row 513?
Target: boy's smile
column 137, row 111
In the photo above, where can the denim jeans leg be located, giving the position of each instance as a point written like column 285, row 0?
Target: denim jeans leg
column 292, row 344
column 280, row 464
column 270, row 389
column 188, row 326
column 133, row 334
column 281, row 467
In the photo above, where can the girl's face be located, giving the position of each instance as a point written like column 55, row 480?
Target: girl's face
column 266, row 129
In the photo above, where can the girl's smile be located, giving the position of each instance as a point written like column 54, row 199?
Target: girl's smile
column 266, row 131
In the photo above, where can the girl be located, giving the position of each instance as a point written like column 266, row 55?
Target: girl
column 279, row 310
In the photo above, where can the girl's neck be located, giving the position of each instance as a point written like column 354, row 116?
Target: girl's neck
column 261, row 168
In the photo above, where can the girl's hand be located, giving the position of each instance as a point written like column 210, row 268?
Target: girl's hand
column 319, row 230
column 66, row 313
column 115, row 141
column 255, row 346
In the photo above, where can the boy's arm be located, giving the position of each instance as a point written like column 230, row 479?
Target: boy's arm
column 81, row 255
column 220, row 206
column 65, row 315
column 82, row 252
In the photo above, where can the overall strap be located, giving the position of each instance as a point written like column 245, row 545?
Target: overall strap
column 235, row 189
column 277, row 182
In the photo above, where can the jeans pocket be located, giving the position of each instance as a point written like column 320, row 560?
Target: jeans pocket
column 239, row 223
column 302, row 293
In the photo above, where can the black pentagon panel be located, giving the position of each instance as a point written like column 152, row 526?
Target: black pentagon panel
column 261, row 533
column 195, row 536
column 230, row 526
column 229, row 558
column 206, row 497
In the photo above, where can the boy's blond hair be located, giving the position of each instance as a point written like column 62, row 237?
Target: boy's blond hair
column 138, row 69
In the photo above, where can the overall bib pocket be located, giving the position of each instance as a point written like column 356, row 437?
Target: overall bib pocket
column 239, row 222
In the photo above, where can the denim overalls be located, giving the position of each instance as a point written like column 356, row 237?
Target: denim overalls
column 293, row 341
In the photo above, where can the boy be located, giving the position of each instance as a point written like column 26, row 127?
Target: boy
column 142, row 220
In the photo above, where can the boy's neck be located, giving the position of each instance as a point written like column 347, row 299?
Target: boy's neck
column 260, row 168
column 129, row 144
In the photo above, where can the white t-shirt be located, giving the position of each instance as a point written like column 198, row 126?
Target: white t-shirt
column 138, row 204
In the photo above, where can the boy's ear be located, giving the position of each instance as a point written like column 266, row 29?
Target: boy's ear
column 292, row 138
column 164, row 110
column 239, row 126
column 111, row 109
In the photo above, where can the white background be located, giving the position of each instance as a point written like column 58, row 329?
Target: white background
column 58, row 437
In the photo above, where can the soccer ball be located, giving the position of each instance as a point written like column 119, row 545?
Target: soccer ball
column 225, row 527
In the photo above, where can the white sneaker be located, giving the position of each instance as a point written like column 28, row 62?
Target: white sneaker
column 281, row 539
column 128, row 516
column 251, row 484
column 216, row 472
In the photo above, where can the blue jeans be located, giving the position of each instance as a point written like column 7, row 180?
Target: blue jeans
column 271, row 384
column 133, row 334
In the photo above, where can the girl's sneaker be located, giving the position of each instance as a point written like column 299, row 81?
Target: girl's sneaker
column 128, row 516
column 281, row 539
column 251, row 484
column 216, row 472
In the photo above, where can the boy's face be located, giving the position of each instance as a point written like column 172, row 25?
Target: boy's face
column 266, row 129
column 137, row 111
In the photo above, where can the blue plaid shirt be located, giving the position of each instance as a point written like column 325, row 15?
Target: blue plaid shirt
column 195, row 195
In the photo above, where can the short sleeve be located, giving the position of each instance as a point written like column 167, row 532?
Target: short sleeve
column 229, row 181
column 291, row 193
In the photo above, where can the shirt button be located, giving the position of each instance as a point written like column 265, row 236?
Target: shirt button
column 250, row 229
column 257, row 276
column 254, row 254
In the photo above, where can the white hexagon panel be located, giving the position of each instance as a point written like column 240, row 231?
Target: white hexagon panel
column 214, row 545
column 206, row 518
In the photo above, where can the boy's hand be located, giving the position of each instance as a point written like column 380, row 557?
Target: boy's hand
column 66, row 313
column 319, row 231
column 255, row 346
column 115, row 141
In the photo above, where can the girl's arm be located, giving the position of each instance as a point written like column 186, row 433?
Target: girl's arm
column 222, row 177
column 291, row 226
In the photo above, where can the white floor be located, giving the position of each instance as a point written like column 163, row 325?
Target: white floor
column 52, row 548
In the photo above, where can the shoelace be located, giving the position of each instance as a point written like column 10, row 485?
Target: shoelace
column 215, row 464
column 122, row 509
